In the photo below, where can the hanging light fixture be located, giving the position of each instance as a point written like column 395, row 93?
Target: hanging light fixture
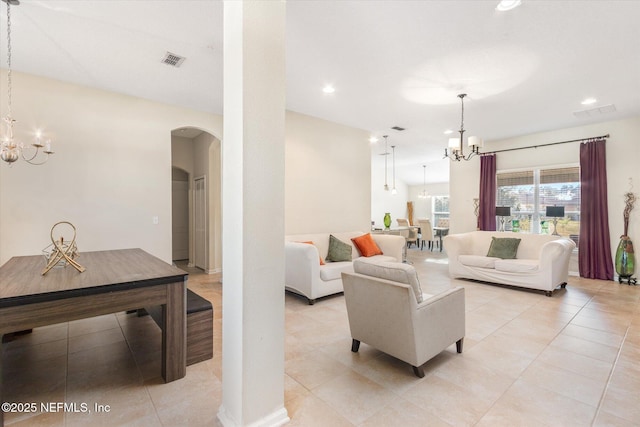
column 423, row 193
column 393, row 149
column 385, row 154
column 456, row 145
column 11, row 149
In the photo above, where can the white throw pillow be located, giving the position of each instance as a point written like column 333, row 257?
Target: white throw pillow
column 393, row 271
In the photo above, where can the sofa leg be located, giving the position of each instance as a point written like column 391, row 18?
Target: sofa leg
column 548, row 293
column 311, row 301
column 355, row 346
column 418, row 371
column 459, row 344
column 564, row 285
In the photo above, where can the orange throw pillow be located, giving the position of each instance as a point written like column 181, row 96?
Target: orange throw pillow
column 311, row 243
column 366, row 245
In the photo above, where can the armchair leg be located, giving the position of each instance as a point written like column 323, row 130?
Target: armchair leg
column 311, row 301
column 418, row 371
column 459, row 344
column 355, row 346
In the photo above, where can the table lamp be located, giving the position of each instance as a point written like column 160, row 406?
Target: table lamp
column 555, row 212
column 502, row 212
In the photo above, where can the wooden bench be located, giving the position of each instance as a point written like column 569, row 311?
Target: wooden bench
column 199, row 327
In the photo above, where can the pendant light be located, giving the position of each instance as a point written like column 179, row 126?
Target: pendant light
column 393, row 149
column 457, row 144
column 423, row 193
column 385, row 154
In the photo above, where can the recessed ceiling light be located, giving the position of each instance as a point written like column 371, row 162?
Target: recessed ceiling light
column 448, row 132
column 589, row 101
column 328, row 89
column 373, row 140
column 505, row 5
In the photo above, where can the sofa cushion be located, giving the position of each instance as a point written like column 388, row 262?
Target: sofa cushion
column 393, row 271
column 517, row 265
column 334, row 270
column 478, row 261
column 366, row 245
column 505, row 247
column 338, row 250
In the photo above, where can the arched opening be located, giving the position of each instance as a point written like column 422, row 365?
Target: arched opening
column 196, row 201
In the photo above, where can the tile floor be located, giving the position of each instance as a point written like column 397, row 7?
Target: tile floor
column 529, row 360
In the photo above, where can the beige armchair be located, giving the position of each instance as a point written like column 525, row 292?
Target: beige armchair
column 387, row 310
column 412, row 234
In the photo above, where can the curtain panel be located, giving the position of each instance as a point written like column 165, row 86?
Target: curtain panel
column 594, row 250
column 487, row 211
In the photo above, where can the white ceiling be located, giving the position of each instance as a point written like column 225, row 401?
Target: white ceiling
column 391, row 62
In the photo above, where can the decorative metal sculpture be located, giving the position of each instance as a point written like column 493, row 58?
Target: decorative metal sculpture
column 60, row 253
column 476, row 211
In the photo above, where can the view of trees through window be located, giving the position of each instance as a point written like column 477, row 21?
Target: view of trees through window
column 528, row 193
column 440, row 208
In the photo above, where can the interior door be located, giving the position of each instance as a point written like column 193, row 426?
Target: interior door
column 200, row 223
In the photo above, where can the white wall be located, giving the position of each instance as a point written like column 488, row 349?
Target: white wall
column 623, row 156
column 110, row 175
column 384, row 201
column 327, row 187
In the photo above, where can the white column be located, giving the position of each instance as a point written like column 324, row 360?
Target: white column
column 253, row 214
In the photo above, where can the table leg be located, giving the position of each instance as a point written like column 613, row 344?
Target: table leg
column 1, row 383
column 174, row 333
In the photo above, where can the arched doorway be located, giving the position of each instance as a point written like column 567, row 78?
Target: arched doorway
column 195, row 156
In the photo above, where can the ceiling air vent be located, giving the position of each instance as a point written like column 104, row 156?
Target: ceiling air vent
column 398, row 128
column 595, row 112
column 173, row 59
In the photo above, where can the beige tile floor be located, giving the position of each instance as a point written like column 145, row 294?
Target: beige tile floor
column 569, row 360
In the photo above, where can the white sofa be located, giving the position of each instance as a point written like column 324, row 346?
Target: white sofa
column 542, row 261
column 305, row 276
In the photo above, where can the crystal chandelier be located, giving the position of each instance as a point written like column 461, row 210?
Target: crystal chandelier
column 457, row 144
column 11, row 149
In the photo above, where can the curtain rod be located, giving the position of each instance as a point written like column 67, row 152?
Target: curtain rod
column 551, row 143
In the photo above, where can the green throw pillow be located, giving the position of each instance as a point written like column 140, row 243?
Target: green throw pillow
column 505, row 248
column 338, row 250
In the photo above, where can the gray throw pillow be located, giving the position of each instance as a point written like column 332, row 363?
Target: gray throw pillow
column 505, row 248
column 338, row 250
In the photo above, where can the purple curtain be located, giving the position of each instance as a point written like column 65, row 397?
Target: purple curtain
column 487, row 211
column 594, row 250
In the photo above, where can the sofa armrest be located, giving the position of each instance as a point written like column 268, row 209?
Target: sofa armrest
column 302, row 266
column 390, row 244
column 446, row 309
column 554, row 259
column 457, row 244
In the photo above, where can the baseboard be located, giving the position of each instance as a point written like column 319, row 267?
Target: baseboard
column 275, row 419
column 213, row 271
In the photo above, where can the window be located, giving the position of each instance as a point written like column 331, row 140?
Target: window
column 440, row 209
column 528, row 193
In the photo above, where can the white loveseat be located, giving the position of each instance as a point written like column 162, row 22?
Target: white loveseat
column 305, row 276
column 542, row 261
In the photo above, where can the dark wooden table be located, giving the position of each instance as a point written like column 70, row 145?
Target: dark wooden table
column 114, row 281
